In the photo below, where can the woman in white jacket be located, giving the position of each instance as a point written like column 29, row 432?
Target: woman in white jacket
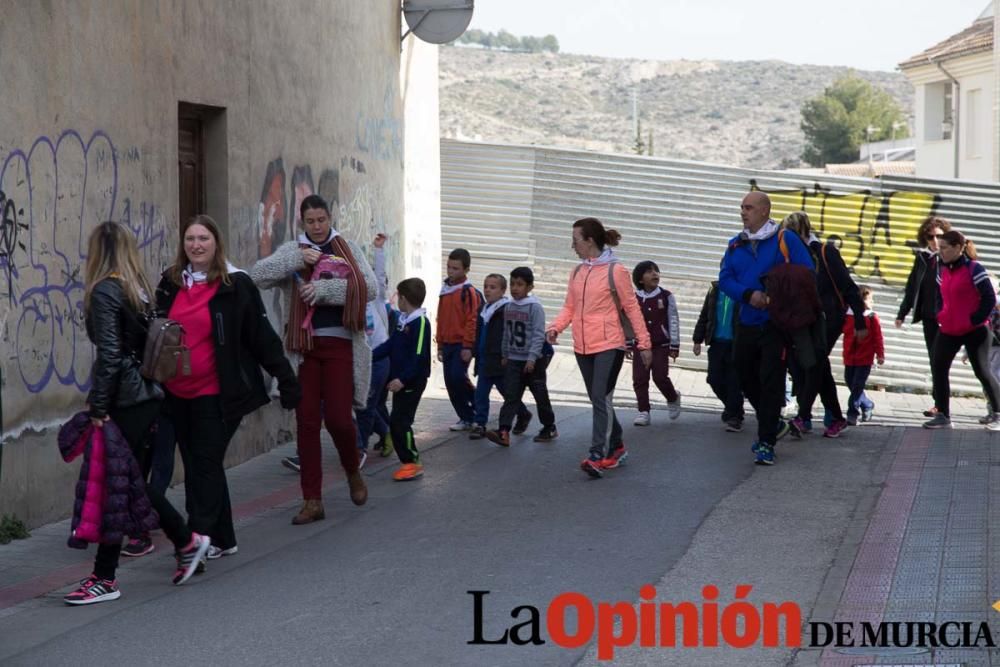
column 328, row 284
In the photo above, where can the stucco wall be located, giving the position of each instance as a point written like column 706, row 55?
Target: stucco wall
column 311, row 97
column 422, row 212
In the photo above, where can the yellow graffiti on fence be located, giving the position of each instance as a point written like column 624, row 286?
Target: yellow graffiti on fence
column 875, row 232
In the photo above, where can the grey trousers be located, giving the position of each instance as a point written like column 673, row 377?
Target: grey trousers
column 600, row 374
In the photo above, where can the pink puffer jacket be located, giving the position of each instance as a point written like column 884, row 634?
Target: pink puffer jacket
column 590, row 308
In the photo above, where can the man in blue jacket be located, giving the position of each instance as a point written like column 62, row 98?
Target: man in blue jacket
column 760, row 345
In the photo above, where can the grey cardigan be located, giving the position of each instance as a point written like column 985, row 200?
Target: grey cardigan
column 276, row 271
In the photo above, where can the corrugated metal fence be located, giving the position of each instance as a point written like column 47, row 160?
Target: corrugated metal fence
column 514, row 205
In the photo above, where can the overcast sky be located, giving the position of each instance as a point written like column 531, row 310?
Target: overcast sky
column 865, row 34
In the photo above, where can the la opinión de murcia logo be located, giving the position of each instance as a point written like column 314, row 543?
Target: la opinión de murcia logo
column 707, row 624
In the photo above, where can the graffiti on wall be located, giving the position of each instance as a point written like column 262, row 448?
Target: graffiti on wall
column 357, row 206
column 381, row 136
column 876, row 233
column 53, row 194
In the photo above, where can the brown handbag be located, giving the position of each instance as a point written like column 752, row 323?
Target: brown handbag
column 165, row 355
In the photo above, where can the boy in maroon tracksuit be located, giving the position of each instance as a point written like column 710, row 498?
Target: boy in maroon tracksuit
column 858, row 358
column 659, row 309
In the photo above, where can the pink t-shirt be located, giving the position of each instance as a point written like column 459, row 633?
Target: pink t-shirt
column 190, row 308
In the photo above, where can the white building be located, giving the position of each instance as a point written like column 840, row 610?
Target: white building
column 956, row 122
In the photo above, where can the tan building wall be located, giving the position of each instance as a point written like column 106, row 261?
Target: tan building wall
column 976, row 113
column 300, row 97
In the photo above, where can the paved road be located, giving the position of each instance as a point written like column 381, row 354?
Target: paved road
column 386, row 584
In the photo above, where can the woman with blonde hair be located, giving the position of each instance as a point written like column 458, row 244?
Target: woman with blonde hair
column 117, row 308
column 230, row 338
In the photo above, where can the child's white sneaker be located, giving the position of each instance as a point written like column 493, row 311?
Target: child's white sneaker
column 641, row 419
column 674, row 407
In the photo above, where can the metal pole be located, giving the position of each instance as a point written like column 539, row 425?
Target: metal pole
column 956, row 94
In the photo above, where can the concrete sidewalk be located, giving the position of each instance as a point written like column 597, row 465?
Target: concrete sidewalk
column 885, row 523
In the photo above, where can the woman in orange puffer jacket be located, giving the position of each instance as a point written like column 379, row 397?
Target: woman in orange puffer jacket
column 596, row 313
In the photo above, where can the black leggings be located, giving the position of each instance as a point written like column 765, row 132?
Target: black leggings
column 819, row 380
column 134, row 423
column 977, row 344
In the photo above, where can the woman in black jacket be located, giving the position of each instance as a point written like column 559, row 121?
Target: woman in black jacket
column 117, row 309
column 837, row 292
column 230, row 338
column 922, row 291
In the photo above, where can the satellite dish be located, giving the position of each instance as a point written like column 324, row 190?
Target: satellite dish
column 437, row 21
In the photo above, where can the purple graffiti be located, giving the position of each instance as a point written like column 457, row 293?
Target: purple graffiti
column 66, row 187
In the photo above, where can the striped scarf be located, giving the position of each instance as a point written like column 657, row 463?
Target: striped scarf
column 299, row 339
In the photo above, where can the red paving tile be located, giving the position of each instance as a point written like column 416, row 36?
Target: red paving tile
column 870, row 580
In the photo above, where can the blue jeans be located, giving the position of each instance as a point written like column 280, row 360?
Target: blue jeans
column 370, row 419
column 855, row 378
column 456, row 380
column 484, row 385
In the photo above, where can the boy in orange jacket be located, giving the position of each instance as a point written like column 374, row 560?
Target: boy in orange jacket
column 858, row 357
column 459, row 304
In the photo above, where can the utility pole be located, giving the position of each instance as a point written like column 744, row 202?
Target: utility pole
column 635, row 110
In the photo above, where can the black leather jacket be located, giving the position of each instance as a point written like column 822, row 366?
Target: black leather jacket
column 119, row 333
column 922, row 291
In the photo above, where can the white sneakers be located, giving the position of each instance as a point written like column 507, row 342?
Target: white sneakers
column 674, row 407
column 673, row 410
column 215, row 552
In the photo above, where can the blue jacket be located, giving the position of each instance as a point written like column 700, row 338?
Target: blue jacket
column 409, row 353
column 745, row 262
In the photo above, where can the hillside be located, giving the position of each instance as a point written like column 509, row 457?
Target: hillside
column 743, row 113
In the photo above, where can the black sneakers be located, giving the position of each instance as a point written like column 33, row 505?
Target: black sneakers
column 547, row 434
column 521, row 423
column 138, row 546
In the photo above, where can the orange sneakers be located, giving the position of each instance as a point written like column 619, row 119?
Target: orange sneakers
column 615, row 458
column 408, row 471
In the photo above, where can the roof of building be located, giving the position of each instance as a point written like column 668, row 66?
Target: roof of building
column 894, row 168
column 976, row 38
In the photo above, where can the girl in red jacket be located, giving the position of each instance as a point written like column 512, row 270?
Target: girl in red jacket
column 858, row 357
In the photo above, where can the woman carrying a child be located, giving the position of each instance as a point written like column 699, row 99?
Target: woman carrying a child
column 328, row 284
column 599, row 294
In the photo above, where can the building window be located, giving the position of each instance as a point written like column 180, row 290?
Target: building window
column 973, row 124
column 938, row 119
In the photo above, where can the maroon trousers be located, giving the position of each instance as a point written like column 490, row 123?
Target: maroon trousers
column 660, row 370
column 327, row 380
